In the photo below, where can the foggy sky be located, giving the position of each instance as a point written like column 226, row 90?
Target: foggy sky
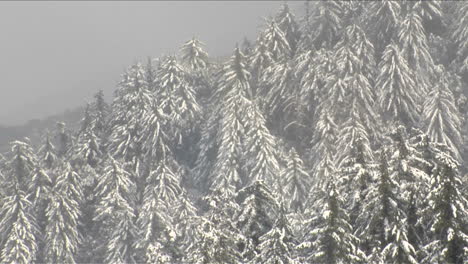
column 55, row 56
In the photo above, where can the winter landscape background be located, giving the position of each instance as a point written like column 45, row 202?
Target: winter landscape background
column 336, row 135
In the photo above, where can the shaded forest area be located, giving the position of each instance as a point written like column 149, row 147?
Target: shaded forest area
column 336, row 137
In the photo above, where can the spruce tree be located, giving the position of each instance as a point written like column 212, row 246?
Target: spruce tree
column 296, row 181
column 287, row 24
column 115, row 213
column 447, row 211
column 276, row 42
column 329, row 237
column 443, row 121
column 62, row 237
column 18, row 228
column 277, row 246
column 327, row 23
column 398, row 97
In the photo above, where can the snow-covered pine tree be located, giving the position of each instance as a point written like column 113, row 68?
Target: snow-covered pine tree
column 198, row 65
column 154, row 219
column 184, row 221
column 442, row 120
column 64, row 140
column 383, row 23
column 177, row 97
column 87, row 150
column 258, row 211
column 260, row 59
column 447, row 212
column 18, row 228
column 326, row 23
column 47, row 154
column 287, row 24
column 280, row 92
column 115, row 213
column 329, row 237
column 132, row 102
column 460, row 36
column 276, row 42
column 382, row 224
column 413, row 41
column 150, row 75
column 277, row 246
column 296, row 181
column 101, row 112
column 323, row 151
column 261, row 155
column 21, row 165
column 399, row 96
column 247, row 47
column 62, row 237
column 194, row 57
column 228, row 168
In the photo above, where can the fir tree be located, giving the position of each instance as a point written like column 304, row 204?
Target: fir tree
column 101, row 111
column 115, row 213
column 132, row 102
column 287, row 24
column 227, row 171
column 329, row 238
column 296, row 180
column 18, row 228
column 259, row 208
column 276, row 42
column 277, row 245
column 399, row 98
column 326, row 21
column 47, row 154
column 61, row 232
column 442, row 119
column 447, row 210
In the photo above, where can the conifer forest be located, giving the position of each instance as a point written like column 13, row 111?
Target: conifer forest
column 336, row 136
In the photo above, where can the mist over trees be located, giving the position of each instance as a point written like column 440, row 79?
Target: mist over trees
column 334, row 137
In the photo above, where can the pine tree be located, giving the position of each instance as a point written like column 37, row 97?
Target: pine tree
column 261, row 160
column 150, row 75
column 227, row 171
column 61, row 232
column 47, row 153
column 460, row 36
column 413, row 41
column 154, row 220
column 20, row 167
column 132, row 102
column 326, row 21
column 276, row 42
column 193, row 55
column 87, row 150
column 447, row 210
column 287, row 24
column 18, row 228
column 296, row 180
column 115, row 213
column 259, row 208
column 398, row 98
column 277, row 245
column 260, row 59
column 383, row 23
column 382, row 224
column 176, row 96
column 329, row 237
column 442, row 119
column 64, row 140
column 101, row 112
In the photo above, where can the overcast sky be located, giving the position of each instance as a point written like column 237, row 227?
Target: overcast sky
column 55, row 56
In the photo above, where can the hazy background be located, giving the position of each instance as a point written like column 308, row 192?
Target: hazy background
column 55, row 55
